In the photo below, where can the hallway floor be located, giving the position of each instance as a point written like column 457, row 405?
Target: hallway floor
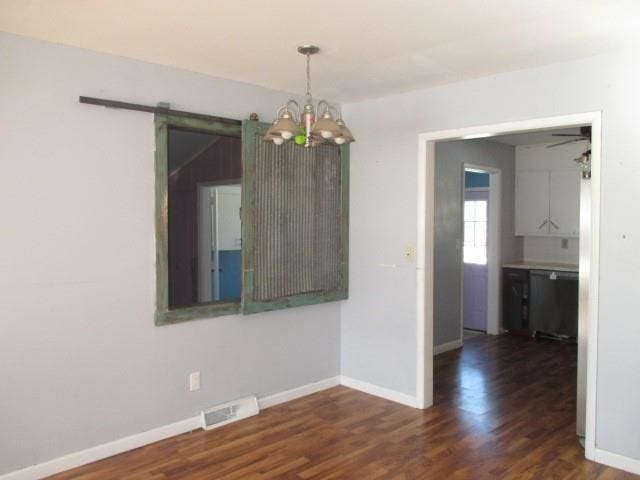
column 504, row 409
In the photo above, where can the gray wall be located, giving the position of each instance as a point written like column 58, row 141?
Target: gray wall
column 450, row 157
column 379, row 320
column 81, row 361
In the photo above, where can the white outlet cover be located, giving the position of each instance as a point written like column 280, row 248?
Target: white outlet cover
column 194, row 381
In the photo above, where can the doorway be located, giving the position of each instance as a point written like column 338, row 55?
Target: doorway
column 474, row 258
column 219, row 242
column 481, row 250
column 588, row 255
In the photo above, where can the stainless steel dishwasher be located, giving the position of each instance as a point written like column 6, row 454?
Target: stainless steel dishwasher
column 553, row 303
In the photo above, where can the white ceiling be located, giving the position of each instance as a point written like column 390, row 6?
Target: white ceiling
column 370, row 48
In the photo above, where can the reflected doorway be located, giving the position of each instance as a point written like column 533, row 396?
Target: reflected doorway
column 220, row 242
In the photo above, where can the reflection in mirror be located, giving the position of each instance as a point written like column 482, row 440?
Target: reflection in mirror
column 204, row 241
column 219, row 257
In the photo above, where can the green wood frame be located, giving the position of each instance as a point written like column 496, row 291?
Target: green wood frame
column 249, row 305
column 164, row 315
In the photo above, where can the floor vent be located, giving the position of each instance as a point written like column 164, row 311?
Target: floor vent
column 233, row 411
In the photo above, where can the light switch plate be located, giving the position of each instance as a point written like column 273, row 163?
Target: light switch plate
column 194, row 381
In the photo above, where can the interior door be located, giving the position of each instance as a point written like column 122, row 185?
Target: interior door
column 227, row 244
column 475, row 269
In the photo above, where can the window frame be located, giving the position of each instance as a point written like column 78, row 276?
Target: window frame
column 163, row 314
column 246, row 131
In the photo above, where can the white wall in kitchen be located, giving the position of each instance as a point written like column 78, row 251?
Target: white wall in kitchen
column 550, row 249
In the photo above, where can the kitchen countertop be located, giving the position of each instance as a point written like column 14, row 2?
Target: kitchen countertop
column 559, row 267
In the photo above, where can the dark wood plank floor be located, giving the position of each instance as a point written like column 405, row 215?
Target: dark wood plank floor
column 504, row 409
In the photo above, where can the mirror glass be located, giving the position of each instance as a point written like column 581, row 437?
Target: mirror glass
column 204, row 199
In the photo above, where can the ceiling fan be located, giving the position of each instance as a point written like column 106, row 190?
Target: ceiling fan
column 584, row 160
column 585, row 134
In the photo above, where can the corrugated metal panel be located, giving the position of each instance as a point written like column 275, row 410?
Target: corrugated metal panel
column 297, row 219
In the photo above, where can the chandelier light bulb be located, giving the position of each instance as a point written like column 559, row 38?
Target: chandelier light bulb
column 326, row 134
column 286, row 135
column 340, row 140
column 278, row 141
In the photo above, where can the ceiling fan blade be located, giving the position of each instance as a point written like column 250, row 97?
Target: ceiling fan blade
column 565, row 142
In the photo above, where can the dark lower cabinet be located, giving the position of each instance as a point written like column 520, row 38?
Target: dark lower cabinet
column 542, row 301
column 515, row 299
column 553, row 306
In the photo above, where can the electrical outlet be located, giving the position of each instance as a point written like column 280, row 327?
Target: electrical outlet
column 194, row 381
column 565, row 243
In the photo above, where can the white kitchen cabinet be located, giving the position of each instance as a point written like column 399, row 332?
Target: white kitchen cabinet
column 532, row 202
column 564, row 203
column 547, row 203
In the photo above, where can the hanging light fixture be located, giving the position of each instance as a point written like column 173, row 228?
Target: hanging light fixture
column 310, row 126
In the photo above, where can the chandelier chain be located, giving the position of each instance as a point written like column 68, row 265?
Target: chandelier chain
column 308, row 94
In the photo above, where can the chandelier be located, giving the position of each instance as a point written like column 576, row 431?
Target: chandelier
column 310, row 126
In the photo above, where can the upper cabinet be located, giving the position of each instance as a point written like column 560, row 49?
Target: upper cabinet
column 564, row 203
column 547, row 190
column 532, row 203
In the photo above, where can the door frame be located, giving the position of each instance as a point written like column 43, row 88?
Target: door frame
column 589, row 251
column 494, row 246
column 205, row 222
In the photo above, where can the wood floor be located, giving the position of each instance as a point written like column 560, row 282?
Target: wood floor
column 504, row 409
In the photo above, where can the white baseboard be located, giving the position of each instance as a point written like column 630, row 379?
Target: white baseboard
column 617, row 461
column 445, row 347
column 76, row 459
column 288, row 395
column 99, row 452
column 93, row 454
column 378, row 391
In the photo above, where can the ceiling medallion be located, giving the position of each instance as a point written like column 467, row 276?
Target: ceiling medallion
column 310, row 126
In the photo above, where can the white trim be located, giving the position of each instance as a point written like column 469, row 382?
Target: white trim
column 292, row 394
column 424, row 268
column 594, row 286
column 424, row 282
column 445, row 347
column 611, row 459
column 99, row 452
column 93, row 454
column 382, row 392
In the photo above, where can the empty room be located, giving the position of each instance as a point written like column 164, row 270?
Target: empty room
column 346, row 240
